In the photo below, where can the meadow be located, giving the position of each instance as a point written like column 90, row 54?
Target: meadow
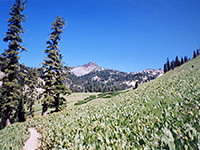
column 161, row 114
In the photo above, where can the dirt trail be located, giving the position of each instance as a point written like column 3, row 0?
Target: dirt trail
column 32, row 142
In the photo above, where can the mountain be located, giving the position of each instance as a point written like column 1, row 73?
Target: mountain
column 85, row 69
column 93, row 78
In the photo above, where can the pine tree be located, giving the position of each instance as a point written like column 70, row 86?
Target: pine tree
column 136, row 85
column 197, row 52
column 172, row 64
column 165, row 68
column 182, row 61
column 31, row 89
column 194, row 54
column 185, row 59
column 54, row 70
column 177, row 62
column 11, row 95
column 168, row 65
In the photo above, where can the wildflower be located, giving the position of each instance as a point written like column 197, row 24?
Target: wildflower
column 176, row 130
column 188, row 112
column 126, row 134
column 186, row 146
column 75, row 128
column 147, row 124
column 185, row 137
column 66, row 128
column 117, row 138
column 196, row 115
column 107, row 127
column 118, row 132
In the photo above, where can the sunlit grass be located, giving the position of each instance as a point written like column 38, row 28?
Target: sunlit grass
column 161, row 114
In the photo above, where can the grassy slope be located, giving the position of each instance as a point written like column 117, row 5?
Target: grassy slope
column 71, row 100
column 161, row 114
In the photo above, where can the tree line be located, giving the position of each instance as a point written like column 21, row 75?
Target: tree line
column 176, row 63
column 108, row 81
column 19, row 89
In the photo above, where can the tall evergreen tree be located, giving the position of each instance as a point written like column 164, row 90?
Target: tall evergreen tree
column 168, row 65
column 172, row 65
column 185, row 59
column 31, row 89
column 194, row 54
column 11, row 95
column 53, row 69
column 165, row 68
column 182, row 60
column 177, row 62
column 197, row 52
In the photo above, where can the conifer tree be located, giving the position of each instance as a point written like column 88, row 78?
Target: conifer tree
column 53, row 69
column 172, row 65
column 136, row 85
column 182, row 61
column 11, row 96
column 197, row 52
column 177, row 62
column 194, row 54
column 165, row 68
column 185, row 59
column 31, row 89
column 168, row 65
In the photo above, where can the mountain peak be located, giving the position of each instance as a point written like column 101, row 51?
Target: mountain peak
column 85, row 69
column 90, row 64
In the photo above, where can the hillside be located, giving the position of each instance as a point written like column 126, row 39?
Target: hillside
column 160, row 114
column 93, row 78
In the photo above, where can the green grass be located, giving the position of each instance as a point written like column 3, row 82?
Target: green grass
column 161, row 114
column 76, row 97
column 92, row 97
column 101, row 96
column 110, row 94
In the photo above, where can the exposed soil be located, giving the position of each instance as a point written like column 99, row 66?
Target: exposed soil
column 32, row 142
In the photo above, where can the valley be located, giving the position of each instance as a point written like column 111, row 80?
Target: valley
column 47, row 105
column 160, row 114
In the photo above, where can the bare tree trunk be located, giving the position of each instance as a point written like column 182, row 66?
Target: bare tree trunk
column 57, row 102
column 44, row 109
column 31, row 112
column 31, row 108
column 8, row 122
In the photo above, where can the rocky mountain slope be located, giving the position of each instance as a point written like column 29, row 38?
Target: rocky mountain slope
column 93, row 78
column 85, row 69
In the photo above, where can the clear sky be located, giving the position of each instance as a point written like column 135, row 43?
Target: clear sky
column 126, row 35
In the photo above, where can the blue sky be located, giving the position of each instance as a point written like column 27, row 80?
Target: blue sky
column 126, row 35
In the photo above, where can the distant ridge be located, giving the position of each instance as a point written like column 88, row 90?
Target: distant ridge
column 93, row 78
column 91, row 66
